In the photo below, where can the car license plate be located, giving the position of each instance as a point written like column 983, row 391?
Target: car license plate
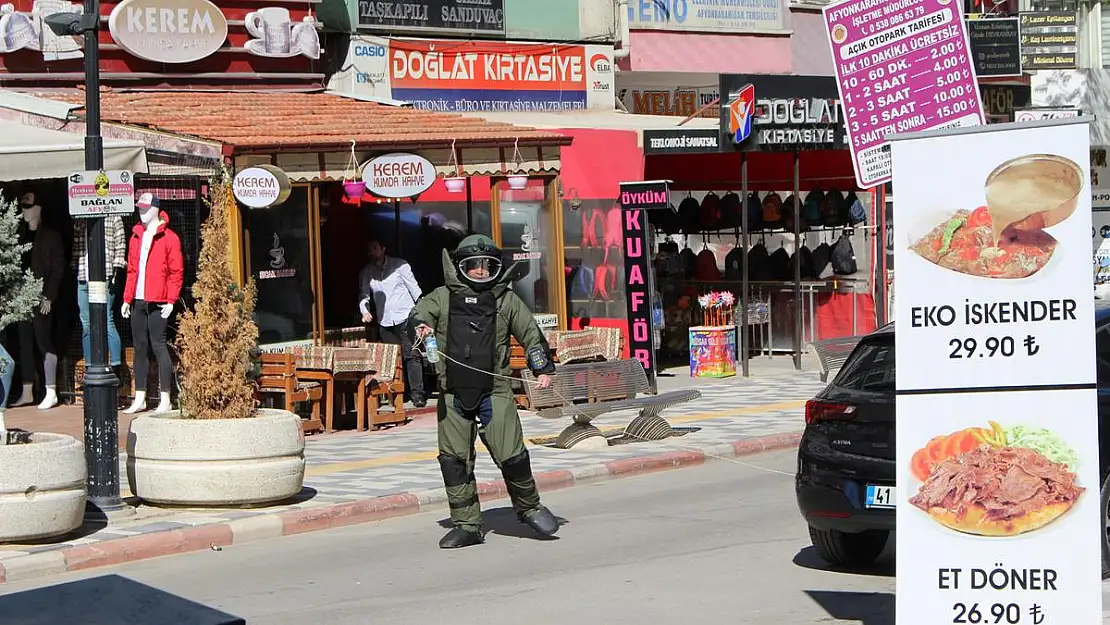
column 879, row 496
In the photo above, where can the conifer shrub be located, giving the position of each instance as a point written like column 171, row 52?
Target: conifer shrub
column 217, row 340
column 20, row 292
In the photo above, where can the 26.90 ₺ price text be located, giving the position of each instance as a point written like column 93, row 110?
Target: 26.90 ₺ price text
column 995, row 613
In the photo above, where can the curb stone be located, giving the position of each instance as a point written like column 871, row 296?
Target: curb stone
column 304, row 520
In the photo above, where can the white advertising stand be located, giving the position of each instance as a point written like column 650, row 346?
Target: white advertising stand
column 997, row 429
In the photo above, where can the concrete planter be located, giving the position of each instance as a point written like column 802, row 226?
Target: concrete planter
column 216, row 462
column 42, row 488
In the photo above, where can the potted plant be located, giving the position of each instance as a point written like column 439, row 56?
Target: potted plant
column 219, row 449
column 42, row 476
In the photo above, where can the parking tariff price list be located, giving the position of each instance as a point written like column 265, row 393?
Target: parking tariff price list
column 902, row 66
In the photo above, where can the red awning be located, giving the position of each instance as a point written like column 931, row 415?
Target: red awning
column 595, row 164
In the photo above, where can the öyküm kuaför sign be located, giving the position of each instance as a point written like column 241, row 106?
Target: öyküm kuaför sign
column 100, row 193
column 636, row 199
column 261, row 186
column 900, row 67
column 398, row 175
column 168, row 31
column 997, row 462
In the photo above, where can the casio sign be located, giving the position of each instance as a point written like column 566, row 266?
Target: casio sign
column 371, row 50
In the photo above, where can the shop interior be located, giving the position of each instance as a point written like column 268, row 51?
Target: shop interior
column 702, row 243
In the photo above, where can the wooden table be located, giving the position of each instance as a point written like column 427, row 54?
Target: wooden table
column 324, row 364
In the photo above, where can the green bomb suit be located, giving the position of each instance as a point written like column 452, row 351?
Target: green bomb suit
column 476, row 404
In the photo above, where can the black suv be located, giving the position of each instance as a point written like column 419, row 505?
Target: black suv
column 848, row 445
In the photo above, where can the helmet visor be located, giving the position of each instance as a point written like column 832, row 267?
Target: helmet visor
column 480, row 269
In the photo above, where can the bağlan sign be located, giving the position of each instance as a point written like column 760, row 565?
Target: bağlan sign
column 781, row 113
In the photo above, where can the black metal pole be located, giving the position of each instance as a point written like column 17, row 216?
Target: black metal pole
column 101, row 383
column 745, row 296
column 799, row 313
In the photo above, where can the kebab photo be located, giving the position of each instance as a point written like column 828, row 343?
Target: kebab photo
column 995, row 481
column 1005, row 238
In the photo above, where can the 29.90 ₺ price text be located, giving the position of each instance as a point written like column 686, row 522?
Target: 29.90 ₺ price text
column 992, row 346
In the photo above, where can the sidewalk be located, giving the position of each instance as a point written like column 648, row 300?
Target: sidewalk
column 360, row 477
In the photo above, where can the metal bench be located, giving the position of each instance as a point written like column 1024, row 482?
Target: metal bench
column 586, row 391
column 833, row 352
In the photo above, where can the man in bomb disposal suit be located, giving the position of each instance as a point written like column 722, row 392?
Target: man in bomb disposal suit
column 473, row 316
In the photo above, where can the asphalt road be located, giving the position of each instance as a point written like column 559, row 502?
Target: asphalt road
column 694, row 545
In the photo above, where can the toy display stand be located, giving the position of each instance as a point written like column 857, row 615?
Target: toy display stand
column 713, row 351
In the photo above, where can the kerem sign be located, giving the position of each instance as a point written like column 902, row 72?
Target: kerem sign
column 398, row 175
column 261, row 186
column 168, row 31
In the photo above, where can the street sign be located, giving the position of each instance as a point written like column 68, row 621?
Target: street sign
column 100, row 193
column 900, row 68
column 997, row 454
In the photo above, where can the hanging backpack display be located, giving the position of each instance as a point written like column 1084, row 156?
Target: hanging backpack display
column 811, row 208
column 805, row 256
column 779, row 265
column 730, row 210
column 856, row 213
column 688, row 258
column 705, row 266
column 755, row 212
column 688, row 216
column 709, row 212
column 734, row 262
column 822, row 255
column 844, row 256
column 759, row 263
column 772, row 211
column 831, row 209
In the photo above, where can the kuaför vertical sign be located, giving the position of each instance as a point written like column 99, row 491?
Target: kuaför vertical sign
column 636, row 199
column 901, row 66
column 997, row 423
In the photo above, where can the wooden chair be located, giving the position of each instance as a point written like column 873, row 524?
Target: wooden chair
column 372, row 395
column 279, row 375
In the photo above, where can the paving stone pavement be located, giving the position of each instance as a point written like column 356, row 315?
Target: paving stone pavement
column 352, row 467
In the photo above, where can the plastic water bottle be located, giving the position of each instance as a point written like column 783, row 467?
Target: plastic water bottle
column 431, row 348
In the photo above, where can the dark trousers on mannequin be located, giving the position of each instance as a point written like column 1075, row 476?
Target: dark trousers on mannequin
column 148, row 330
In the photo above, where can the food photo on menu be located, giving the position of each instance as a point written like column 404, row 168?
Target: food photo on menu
column 1006, row 238
column 995, row 481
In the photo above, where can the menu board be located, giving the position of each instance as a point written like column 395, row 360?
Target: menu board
column 900, row 67
column 997, row 418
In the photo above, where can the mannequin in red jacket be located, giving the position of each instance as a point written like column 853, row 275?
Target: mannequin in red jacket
column 154, row 278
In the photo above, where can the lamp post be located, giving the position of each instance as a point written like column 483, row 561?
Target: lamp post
column 101, row 384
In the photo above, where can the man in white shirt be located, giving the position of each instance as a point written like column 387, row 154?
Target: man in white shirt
column 388, row 292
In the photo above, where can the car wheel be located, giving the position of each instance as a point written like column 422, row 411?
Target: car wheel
column 844, row 549
column 1105, row 507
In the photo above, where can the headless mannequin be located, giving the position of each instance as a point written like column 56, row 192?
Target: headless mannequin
column 47, row 262
column 150, row 220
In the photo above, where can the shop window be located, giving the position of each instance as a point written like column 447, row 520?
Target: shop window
column 428, row 228
column 279, row 261
column 527, row 241
column 588, row 257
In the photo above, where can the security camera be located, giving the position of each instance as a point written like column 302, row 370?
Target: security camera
column 70, row 24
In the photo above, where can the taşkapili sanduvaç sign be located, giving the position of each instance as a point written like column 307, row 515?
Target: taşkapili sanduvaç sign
column 261, row 186
column 168, row 31
column 398, row 175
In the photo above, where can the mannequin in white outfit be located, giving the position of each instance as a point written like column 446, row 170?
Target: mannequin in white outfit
column 154, row 280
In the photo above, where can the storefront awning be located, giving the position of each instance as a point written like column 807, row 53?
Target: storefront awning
column 32, row 153
column 313, row 136
column 598, row 120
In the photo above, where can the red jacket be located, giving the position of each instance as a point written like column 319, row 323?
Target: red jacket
column 165, row 272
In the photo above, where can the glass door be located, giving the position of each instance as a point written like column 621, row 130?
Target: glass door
column 528, row 231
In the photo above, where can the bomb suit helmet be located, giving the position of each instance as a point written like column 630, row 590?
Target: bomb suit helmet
column 478, row 261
